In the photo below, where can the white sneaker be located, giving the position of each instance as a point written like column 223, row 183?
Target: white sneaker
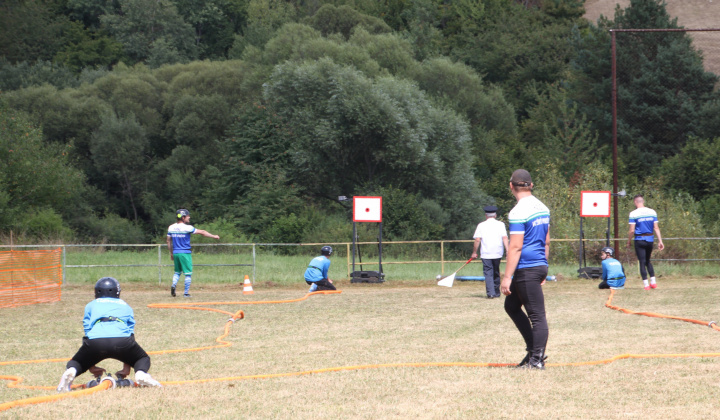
column 66, row 380
column 144, row 379
column 313, row 288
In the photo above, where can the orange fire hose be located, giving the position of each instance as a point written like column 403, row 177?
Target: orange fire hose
column 240, row 315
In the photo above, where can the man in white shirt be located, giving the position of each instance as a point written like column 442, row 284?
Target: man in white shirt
column 493, row 236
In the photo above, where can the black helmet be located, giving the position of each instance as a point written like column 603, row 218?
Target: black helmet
column 107, row 287
column 182, row 213
column 608, row 251
column 326, row 250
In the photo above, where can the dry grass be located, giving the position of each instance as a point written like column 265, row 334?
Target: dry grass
column 369, row 324
column 691, row 14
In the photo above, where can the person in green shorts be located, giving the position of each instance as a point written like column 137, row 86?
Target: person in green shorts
column 178, row 242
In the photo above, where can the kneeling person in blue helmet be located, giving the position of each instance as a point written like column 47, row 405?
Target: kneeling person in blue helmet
column 613, row 273
column 109, row 325
column 316, row 274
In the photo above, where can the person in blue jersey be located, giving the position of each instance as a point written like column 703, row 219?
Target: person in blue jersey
column 178, row 243
column 643, row 222
column 109, row 325
column 613, row 273
column 526, row 268
column 316, row 275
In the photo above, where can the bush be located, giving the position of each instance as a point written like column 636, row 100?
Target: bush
column 111, row 229
column 43, row 224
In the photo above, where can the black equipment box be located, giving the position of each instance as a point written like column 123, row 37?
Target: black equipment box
column 367, row 277
column 590, row 272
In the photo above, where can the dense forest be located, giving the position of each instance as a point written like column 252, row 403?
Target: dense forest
column 257, row 114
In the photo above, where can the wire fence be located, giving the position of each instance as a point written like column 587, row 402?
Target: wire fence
column 566, row 251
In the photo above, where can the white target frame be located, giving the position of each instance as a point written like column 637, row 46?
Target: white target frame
column 367, row 209
column 595, row 204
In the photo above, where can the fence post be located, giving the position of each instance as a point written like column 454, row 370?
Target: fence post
column 64, row 263
column 160, row 264
column 254, row 265
column 348, row 260
column 442, row 257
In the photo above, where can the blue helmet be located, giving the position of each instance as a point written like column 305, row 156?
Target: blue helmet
column 326, row 250
column 182, row 213
column 107, row 287
column 608, row 251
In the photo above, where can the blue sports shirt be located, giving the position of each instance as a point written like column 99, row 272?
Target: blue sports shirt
column 180, row 234
column 644, row 220
column 613, row 272
column 108, row 307
column 532, row 218
column 317, row 269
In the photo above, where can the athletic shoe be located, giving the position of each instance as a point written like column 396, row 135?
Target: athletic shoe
column 144, row 379
column 313, row 288
column 172, row 291
column 66, row 380
column 187, row 295
column 647, row 287
column 653, row 285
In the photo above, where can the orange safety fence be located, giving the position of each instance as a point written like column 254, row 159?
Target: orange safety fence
column 16, row 381
column 29, row 277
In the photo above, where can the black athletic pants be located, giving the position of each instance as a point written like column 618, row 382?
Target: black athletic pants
column 603, row 285
column 323, row 284
column 526, row 291
column 643, row 250
column 124, row 349
column 491, row 270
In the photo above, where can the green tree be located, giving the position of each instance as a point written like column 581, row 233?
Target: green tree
column 139, row 25
column 662, row 86
column 31, row 30
column 84, row 48
column 118, row 150
column 37, row 180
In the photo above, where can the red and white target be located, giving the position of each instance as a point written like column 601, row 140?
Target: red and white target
column 367, row 209
column 595, row 204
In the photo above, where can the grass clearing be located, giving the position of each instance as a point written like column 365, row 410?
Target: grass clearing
column 397, row 322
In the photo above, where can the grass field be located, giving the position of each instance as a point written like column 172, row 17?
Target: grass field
column 388, row 323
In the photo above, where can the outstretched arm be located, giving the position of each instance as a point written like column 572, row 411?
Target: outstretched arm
column 206, row 234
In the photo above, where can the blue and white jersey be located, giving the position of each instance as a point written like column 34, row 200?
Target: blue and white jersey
column 531, row 218
column 317, row 269
column 106, row 307
column 613, row 272
column 644, row 220
column 180, row 234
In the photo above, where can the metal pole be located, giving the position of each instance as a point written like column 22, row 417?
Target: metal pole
column 254, row 265
column 614, row 135
column 347, row 257
column 353, row 246
column 442, row 257
column 380, row 248
column 64, row 264
column 160, row 264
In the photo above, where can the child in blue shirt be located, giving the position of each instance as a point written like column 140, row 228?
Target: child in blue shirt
column 613, row 274
column 316, row 275
column 109, row 325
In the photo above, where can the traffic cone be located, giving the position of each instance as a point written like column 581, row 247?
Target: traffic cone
column 247, row 286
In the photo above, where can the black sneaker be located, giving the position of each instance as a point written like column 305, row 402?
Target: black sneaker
column 187, row 295
column 172, row 291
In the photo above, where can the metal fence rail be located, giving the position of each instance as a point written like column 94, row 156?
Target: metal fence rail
column 572, row 242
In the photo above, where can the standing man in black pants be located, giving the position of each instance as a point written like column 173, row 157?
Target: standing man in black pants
column 527, row 268
column 493, row 236
column 643, row 221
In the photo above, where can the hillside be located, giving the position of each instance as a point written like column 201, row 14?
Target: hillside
column 691, row 14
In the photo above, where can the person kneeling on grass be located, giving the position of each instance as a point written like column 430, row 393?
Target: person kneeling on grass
column 109, row 325
column 316, row 274
column 613, row 273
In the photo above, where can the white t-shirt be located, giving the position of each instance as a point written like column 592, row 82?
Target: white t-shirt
column 491, row 233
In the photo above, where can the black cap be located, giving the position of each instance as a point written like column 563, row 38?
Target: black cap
column 490, row 209
column 521, row 178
